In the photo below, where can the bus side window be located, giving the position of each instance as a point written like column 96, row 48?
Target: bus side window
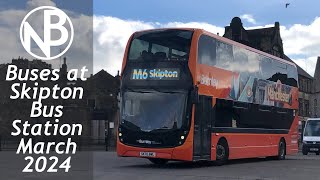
column 253, row 64
column 207, row 50
column 224, row 55
column 240, row 65
column 292, row 76
column 279, row 72
column 265, row 68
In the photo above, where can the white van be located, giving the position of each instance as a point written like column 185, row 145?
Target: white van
column 311, row 136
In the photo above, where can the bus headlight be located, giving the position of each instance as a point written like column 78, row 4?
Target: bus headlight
column 120, row 134
column 182, row 137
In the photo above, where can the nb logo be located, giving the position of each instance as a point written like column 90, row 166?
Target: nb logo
column 63, row 42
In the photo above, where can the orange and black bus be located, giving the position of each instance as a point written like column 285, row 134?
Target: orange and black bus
column 189, row 95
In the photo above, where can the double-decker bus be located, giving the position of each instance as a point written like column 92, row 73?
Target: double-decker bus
column 189, row 95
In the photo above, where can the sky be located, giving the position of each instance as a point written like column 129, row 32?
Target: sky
column 12, row 12
column 116, row 20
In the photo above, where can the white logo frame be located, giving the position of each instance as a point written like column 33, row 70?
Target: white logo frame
column 22, row 38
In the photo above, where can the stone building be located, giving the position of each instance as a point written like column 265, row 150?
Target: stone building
column 315, row 97
column 102, row 90
column 269, row 40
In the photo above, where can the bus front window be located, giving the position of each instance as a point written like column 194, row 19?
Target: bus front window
column 312, row 128
column 149, row 111
column 160, row 45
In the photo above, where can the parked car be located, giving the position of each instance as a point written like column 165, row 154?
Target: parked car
column 311, row 136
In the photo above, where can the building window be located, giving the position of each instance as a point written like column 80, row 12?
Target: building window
column 307, row 86
column 310, row 86
column 300, row 107
column 315, row 107
column 306, row 109
column 301, row 82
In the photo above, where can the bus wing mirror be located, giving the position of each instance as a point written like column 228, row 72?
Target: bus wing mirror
column 195, row 95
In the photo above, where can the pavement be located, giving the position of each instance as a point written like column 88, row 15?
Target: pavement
column 297, row 167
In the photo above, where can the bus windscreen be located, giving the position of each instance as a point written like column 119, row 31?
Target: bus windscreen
column 149, row 111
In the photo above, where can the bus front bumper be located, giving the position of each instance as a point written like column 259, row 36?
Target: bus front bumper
column 183, row 152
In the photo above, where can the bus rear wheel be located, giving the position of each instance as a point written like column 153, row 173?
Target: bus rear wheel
column 282, row 150
column 222, row 152
column 158, row 161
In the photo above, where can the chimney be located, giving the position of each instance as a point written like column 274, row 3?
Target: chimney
column 277, row 25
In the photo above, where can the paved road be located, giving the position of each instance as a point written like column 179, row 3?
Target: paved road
column 108, row 166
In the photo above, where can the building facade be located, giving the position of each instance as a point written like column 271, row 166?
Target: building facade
column 315, row 97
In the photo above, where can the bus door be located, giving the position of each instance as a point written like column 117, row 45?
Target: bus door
column 202, row 129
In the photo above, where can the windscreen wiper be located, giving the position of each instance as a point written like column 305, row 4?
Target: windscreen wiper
column 169, row 92
column 161, row 129
column 130, row 125
column 138, row 91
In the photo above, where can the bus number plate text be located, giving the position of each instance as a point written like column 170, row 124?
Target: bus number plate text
column 147, row 154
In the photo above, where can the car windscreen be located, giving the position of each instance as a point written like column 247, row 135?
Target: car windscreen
column 312, row 128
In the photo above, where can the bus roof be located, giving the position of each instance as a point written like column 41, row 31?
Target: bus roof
column 313, row 119
column 226, row 40
column 220, row 38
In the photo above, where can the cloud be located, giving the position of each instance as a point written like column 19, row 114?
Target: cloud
column 79, row 54
column 111, row 35
column 249, row 18
column 302, row 39
column 308, row 64
column 31, row 4
column 301, row 42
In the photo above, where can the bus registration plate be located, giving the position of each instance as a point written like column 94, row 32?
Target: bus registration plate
column 314, row 149
column 147, row 154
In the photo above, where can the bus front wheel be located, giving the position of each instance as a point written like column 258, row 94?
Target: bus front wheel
column 222, row 152
column 158, row 161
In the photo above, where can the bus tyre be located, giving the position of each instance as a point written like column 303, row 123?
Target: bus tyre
column 222, row 152
column 158, row 161
column 317, row 153
column 282, row 150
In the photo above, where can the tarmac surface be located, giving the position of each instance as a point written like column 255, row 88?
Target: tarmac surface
column 298, row 167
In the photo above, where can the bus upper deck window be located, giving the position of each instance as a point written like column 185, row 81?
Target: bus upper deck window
column 160, row 45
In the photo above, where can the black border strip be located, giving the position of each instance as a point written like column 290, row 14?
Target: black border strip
column 249, row 130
